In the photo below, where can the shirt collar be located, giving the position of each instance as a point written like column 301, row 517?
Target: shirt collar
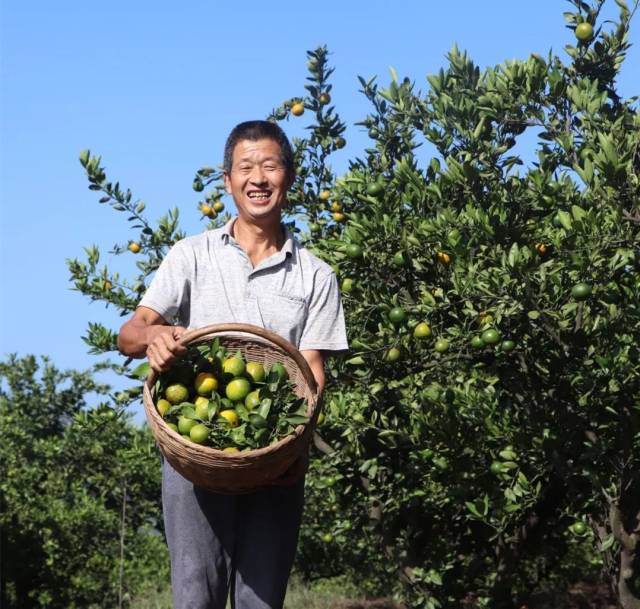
column 287, row 248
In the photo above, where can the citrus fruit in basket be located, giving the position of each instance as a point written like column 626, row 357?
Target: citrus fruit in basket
column 230, row 416
column 234, row 366
column 252, row 400
column 163, row 406
column 256, row 371
column 176, row 393
column 199, row 433
column 280, row 370
column 238, row 404
column 205, row 383
column 238, row 389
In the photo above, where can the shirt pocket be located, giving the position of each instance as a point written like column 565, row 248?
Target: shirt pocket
column 284, row 314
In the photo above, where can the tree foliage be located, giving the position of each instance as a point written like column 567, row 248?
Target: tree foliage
column 80, row 512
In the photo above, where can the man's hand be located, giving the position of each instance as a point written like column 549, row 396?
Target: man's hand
column 148, row 333
column 164, row 346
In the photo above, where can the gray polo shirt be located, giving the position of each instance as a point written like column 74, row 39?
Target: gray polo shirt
column 209, row 279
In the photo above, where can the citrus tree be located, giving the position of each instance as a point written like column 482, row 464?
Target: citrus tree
column 80, row 518
column 481, row 439
column 488, row 428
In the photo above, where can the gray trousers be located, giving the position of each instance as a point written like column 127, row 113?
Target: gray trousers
column 240, row 545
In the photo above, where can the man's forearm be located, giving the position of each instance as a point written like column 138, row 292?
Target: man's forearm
column 134, row 338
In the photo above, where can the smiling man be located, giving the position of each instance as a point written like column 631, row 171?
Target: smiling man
column 250, row 271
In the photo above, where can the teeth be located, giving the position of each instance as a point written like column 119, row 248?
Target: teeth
column 258, row 195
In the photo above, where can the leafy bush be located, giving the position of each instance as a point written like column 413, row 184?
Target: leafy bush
column 80, row 491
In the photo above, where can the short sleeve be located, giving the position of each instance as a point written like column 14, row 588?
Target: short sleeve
column 169, row 291
column 324, row 328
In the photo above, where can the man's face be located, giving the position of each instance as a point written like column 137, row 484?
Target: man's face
column 258, row 181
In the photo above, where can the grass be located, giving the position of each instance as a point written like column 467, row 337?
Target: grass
column 325, row 594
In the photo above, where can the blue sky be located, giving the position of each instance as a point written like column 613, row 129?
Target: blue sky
column 154, row 87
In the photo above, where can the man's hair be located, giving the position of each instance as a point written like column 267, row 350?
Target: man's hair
column 259, row 130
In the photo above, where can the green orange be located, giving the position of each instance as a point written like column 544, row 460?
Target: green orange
column 238, row 389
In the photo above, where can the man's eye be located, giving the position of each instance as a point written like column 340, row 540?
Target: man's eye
column 270, row 167
column 244, row 168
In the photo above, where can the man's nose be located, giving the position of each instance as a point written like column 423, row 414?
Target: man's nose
column 257, row 175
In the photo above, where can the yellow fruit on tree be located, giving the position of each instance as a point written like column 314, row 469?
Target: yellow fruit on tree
column 134, row 247
column 297, row 109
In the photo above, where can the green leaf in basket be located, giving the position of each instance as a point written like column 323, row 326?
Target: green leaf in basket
column 242, row 412
column 238, row 435
column 188, row 410
column 261, row 435
column 265, row 407
column 227, row 403
column 257, row 421
column 296, row 419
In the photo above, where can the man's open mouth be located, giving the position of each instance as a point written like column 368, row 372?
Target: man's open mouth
column 259, row 195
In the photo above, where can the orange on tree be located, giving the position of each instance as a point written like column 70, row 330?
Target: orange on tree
column 338, row 216
column 477, row 342
column 218, row 206
column 443, row 257
column 205, row 209
column 584, row 31
column 393, row 354
column 324, row 98
column 398, row 259
column 134, row 247
column 347, row 285
column 335, row 206
column 324, row 195
column 541, row 248
column 353, row 250
column 297, row 108
column 442, row 345
column 339, row 142
column 490, row 336
column 581, row 291
column 507, row 346
column 397, row 315
column 375, row 189
column 422, row 330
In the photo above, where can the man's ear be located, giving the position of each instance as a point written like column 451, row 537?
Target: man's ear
column 227, row 182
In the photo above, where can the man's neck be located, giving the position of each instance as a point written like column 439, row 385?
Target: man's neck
column 259, row 241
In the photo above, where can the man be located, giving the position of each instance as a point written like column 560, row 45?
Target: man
column 250, row 271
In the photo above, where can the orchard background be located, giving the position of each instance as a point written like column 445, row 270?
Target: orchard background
column 480, row 442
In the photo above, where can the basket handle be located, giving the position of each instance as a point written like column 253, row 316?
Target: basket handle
column 192, row 335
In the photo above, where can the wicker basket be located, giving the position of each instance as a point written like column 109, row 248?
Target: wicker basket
column 245, row 471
